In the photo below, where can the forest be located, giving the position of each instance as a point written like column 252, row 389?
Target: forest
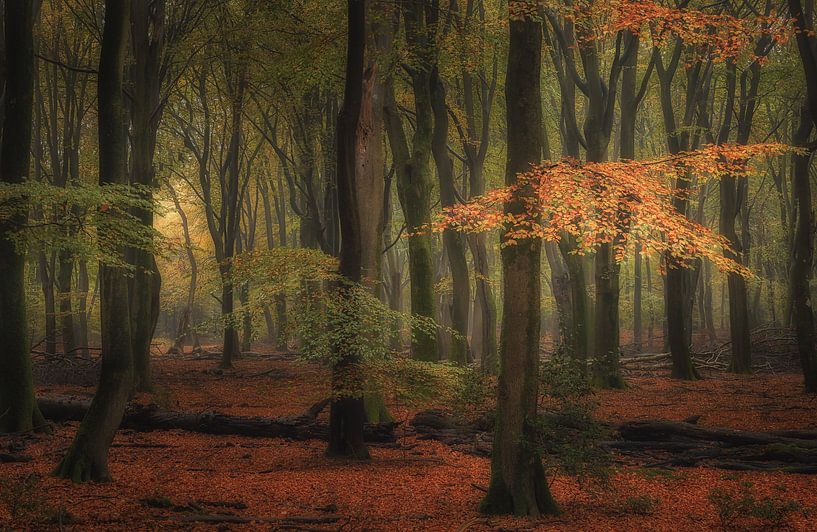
column 455, row 265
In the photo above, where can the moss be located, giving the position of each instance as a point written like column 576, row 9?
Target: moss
column 375, row 407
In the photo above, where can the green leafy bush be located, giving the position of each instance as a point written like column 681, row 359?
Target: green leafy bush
column 567, row 434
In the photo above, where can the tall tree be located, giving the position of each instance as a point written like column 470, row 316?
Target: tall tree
column 87, row 458
column 414, row 185
column 518, row 483
column 346, row 416
column 803, row 242
column 453, row 242
column 18, row 406
column 148, row 43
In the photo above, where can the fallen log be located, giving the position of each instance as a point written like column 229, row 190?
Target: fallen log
column 14, row 458
column 148, row 418
column 660, row 444
column 675, row 431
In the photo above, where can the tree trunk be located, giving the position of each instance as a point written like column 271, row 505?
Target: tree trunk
column 237, row 87
column 82, row 309
column 518, row 483
column 87, row 458
column 453, row 241
column 802, row 257
column 49, row 302
column 638, row 320
column 347, row 414
column 65, row 275
column 677, row 290
column 18, row 408
column 414, row 184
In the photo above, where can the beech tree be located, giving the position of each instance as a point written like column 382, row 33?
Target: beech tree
column 87, row 458
column 347, row 414
column 518, row 483
column 803, row 242
column 18, row 406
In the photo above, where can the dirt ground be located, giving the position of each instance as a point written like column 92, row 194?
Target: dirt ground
column 161, row 479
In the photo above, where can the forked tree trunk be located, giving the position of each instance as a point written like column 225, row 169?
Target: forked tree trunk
column 414, row 183
column 18, row 407
column 87, row 458
column 518, row 483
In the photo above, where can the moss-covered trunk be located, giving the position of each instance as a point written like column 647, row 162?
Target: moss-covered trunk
column 414, row 183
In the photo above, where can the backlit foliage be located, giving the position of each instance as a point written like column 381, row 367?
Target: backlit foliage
column 612, row 203
column 69, row 218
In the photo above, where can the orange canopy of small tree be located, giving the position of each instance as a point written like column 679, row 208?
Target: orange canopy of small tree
column 713, row 32
column 612, row 202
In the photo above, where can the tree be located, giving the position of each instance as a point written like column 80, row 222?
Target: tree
column 87, row 458
column 347, row 415
column 18, row 406
column 803, row 242
column 518, row 483
column 413, row 170
column 148, row 43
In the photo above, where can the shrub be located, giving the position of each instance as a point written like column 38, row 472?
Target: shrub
column 567, row 434
column 637, row 505
column 736, row 506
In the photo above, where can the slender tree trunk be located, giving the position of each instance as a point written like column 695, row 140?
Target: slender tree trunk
column 49, row 302
column 453, row 241
column 65, row 276
column 518, row 483
column 232, row 345
column 18, row 406
column 83, row 287
column 87, row 458
column 638, row 320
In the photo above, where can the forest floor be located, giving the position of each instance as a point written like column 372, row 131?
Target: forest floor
column 168, row 479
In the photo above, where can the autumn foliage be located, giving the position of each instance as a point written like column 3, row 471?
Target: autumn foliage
column 613, row 202
column 716, row 34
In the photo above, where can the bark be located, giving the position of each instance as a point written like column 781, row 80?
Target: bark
column 453, row 241
column 186, row 326
column 638, row 320
column 18, row 409
column 82, row 309
column 65, row 274
column 803, row 241
column 679, row 289
column 802, row 258
column 475, row 144
column 346, row 414
column 148, row 45
column 518, row 483
column 414, row 184
column 44, row 270
column 87, row 458
column 236, row 74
